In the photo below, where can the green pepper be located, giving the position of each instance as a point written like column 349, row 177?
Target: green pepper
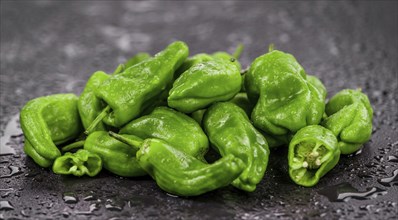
column 203, row 57
column 239, row 99
column 138, row 58
column 130, row 92
column 80, row 163
column 313, row 152
column 317, row 83
column 350, row 119
column 46, row 122
column 286, row 101
column 181, row 174
column 188, row 63
column 89, row 105
column 275, row 141
column 243, row 102
column 178, row 129
column 117, row 157
column 231, row 133
column 198, row 115
column 203, row 84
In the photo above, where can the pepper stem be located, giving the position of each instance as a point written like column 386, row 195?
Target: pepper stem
column 270, row 47
column 120, row 68
column 97, row 120
column 132, row 140
column 238, row 51
column 77, row 144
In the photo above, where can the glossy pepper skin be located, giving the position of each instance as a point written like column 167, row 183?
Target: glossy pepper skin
column 243, row 102
column 286, row 101
column 178, row 129
column 313, row 152
column 118, row 157
column 203, row 57
column 46, row 122
column 317, row 83
column 81, row 163
column 131, row 91
column 181, row 174
column 350, row 119
column 138, row 58
column 191, row 61
column 203, row 84
column 89, row 105
column 231, row 133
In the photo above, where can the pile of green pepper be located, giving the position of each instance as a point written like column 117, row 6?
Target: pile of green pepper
column 158, row 115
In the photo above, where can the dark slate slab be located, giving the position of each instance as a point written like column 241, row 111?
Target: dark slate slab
column 52, row 47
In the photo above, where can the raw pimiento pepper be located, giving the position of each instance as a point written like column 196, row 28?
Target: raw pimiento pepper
column 205, row 83
column 317, row 83
column 80, row 163
column 231, row 133
column 46, row 122
column 203, row 57
column 131, row 91
column 190, row 61
column 313, row 152
column 138, row 58
column 286, row 101
column 118, row 157
column 89, row 105
column 350, row 119
column 178, row 129
column 243, row 102
column 181, row 174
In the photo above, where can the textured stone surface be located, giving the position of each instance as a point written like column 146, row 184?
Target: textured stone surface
column 53, row 47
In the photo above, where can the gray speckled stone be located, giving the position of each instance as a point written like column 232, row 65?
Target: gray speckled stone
column 52, row 47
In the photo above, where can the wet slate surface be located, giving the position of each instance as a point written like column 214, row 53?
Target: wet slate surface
column 53, row 47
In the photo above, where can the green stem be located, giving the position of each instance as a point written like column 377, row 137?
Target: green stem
column 132, row 140
column 270, row 47
column 119, row 69
column 238, row 51
column 97, row 120
column 69, row 147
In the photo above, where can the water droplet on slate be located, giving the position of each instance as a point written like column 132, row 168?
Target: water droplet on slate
column 345, row 192
column 6, row 205
column 69, row 199
column 113, row 206
column 392, row 158
column 388, row 181
column 14, row 171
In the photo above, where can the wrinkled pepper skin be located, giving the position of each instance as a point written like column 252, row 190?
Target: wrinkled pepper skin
column 243, row 102
column 191, row 61
column 203, row 57
column 286, row 101
column 178, row 129
column 138, row 58
column 48, row 121
column 317, row 83
column 81, row 163
column 203, row 84
column 118, row 158
column 264, row 68
column 231, row 133
column 350, row 119
column 181, row 174
column 313, row 152
column 130, row 92
column 198, row 115
column 89, row 105
column 275, row 141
